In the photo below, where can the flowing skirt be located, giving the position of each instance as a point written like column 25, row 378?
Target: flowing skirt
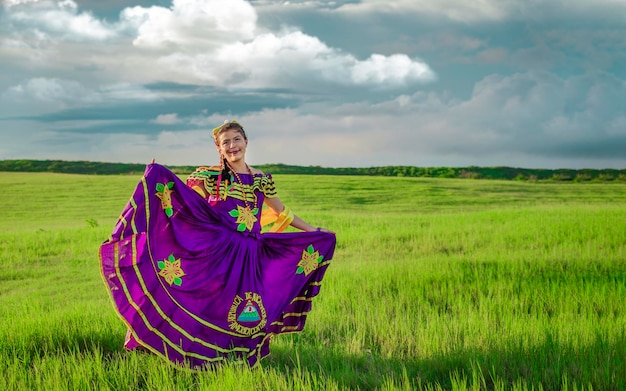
column 193, row 290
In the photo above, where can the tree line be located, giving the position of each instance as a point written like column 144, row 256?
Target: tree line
column 471, row 172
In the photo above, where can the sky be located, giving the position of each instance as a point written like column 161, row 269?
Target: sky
column 353, row 83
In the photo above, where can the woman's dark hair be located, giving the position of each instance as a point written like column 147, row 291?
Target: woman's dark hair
column 225, row 170
column 227, row 126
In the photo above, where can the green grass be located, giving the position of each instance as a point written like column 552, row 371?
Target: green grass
column 435, row 284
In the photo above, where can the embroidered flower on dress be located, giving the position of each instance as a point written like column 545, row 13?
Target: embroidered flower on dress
column 310, row 261
column 246, row 217
column 164, row 193
column 171, row 270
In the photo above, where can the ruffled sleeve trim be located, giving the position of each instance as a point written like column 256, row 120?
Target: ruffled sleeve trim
column 267, row 186
column 202, row 180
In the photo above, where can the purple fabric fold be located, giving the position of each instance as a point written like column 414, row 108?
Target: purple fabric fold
column 192, row 288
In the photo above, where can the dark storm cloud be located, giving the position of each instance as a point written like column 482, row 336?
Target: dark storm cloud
column 143, row 112
column 603, row 147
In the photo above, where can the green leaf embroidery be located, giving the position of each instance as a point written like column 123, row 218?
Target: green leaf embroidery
column 300, row 270
column 161, row 264
column 160, row 187
column 169, row 212
column 320, row 259
column 178, row 281
column 255, row 211
column 310, row 249
column 234, row 213
column 170, row 185
column 171, row 258
column 241, row 227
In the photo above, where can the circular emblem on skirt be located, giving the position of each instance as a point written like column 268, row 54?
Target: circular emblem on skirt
column 247, row 315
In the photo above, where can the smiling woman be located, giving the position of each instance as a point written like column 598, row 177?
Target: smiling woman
column 192, row 274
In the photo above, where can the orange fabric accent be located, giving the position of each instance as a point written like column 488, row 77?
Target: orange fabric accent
column 281, row 221
column 200, row 191
column 268, row 216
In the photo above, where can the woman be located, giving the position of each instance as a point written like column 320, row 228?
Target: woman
column 194, row 278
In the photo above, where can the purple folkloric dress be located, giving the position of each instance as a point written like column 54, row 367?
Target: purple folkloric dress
column 196, row 281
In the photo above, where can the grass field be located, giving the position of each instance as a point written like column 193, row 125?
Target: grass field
column 435, row 284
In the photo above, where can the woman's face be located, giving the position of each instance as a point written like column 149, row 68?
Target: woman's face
column 232, row 145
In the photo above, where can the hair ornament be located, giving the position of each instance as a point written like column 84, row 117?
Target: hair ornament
column 226, row 122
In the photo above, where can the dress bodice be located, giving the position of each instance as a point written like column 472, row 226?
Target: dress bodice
column 238, row 199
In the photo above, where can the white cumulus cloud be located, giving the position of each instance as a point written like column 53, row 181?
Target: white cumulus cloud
column 60, row 19
column 214, row 42
column 192, row 23
column 394, row 69
column 167, row 119
column 273, row 60
column 223, row 45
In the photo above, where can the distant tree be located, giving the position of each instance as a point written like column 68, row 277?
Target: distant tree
column 473, row 172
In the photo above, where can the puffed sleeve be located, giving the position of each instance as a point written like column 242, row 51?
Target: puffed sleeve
column 202, row 180
column 267, row 186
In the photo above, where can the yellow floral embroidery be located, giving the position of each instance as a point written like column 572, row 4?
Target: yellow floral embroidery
column 164, row 192
column 310, row 261
column 246, row 217
column 171, row 270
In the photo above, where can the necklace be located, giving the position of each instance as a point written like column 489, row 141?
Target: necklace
column 244, row 193
column 246, row 217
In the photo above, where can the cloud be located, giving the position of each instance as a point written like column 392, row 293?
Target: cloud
column 533, row 118
column 51, row 90
column 295, row 58
column 50, row 101
column 210, row 42
column 70, row 91
column 467, row 11
column 491, row 10
column 166, row 119
column 129, row 92
column 456, row 10
column 11, row 3
column 534, row 113
column 58, row 19
column 192, row 23
column 492, row 55
column 394, row 70
column 529, row 119
column 163, row 76
column 224, row 46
